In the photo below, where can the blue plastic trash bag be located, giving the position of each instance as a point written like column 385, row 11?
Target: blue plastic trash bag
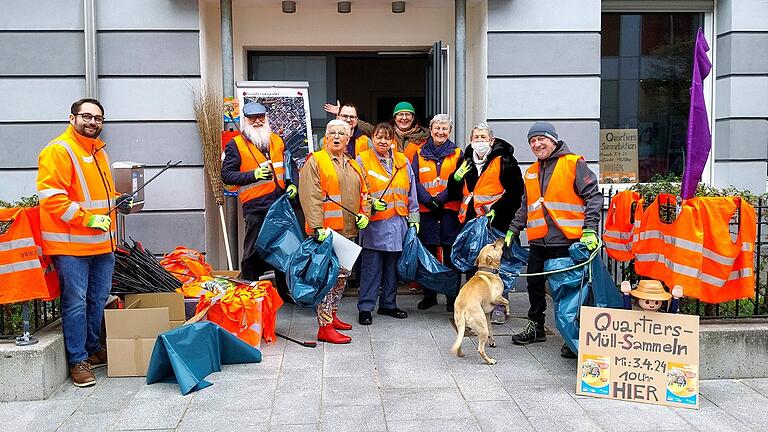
column 417, row 264
column 280, row 235
column 186, row 355
column 474, row 236
column 312, row 272
column 572, row 289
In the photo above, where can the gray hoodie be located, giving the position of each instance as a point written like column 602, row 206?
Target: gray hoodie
column 585, row 186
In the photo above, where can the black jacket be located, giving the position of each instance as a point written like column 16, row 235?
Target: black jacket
column 511, row 179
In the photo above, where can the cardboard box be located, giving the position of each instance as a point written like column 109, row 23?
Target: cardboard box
column 227, row 273
column 131, row 332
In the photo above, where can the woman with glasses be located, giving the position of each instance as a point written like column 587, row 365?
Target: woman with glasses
column 439, row 196
column 392, row 188
column 333, row 196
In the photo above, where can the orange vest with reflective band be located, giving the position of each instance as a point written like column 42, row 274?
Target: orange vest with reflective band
column 72, row 185
column 727, row 264
column 562, row 203
column 377, row 179
column 22, row 268
column 251, row 158
column 412, row 148
column 619, row 234
column 488, row 190
column 362, row 143
column 671, row 252
column 434, row 183
column 329, row 183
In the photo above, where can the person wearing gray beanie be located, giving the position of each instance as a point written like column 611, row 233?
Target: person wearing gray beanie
column 560, row 206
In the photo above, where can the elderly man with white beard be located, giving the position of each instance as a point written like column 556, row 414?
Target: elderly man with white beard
column 252, row 164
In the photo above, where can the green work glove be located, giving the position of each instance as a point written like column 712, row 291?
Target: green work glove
column 361, row 221
column 322, row 233
column 509, row 237
column 262, row 173
column 415, row 225
column 589, row 238
column 124, row 204
column 379, row 204
column 462, row 171
column 291, row 191
column 99, row 222
column 490, row 215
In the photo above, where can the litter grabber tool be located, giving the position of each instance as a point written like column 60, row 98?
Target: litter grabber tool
column 270, row 275
column 373, row 210
column 165, row 168
column 328, row 198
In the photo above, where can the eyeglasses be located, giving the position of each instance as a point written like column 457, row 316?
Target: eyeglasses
column 347, row 116
column 337, row 133
column 88, row 117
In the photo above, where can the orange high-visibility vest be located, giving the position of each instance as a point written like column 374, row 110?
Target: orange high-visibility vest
column 562, row 203
column 412, row 148
column 329, row 184
column 671, row 252
column 377, row 179
column 435, row 183
column 362, row 143
column 619, row 234
column 727, row 265
column 488, row 190
column 22, row 268
column 73, row 183
column 251, row 158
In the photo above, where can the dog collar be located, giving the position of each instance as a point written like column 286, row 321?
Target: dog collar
column 488, row 270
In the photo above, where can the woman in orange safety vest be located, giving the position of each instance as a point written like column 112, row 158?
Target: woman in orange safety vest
column 392, row 188
column 331, row 179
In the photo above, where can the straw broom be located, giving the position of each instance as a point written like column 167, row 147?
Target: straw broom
column 208, row 115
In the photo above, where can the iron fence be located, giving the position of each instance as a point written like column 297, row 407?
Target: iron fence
column 41, row 313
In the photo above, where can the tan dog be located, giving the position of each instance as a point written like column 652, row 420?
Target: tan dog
column 477, row 298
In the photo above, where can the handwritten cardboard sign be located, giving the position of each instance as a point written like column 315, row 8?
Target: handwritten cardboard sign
column 648, row 357
column 618, row 155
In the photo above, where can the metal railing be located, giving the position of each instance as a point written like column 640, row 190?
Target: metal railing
column 755, row 307
column 41, row 313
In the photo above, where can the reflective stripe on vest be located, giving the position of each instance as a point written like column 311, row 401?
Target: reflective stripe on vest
column 21, row 270
column 619, row 233
column 333, row 214
column 378, row 179
column 435, row 182
column 274, row 163
column 487, row 191
column 562, row 203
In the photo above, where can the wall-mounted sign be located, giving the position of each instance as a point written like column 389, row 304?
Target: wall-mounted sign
column 618, row 155
column 649, row 357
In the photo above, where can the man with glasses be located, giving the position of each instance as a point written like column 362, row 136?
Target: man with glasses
column 359, row 142
column 76, row 192
column 253, row 166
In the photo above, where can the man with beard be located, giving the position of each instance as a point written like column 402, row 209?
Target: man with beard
column 253, row 165
column 76, row 192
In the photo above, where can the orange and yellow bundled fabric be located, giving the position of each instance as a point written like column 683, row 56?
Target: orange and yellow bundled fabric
column 247, row 311
column 186, row 264
column 25, row 274
column 620, row 233
column 697, row 251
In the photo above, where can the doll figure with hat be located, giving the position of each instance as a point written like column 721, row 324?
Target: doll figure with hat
column 650, row 295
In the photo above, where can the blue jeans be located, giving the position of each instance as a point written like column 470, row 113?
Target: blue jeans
column 377, row 270
column 85, row 285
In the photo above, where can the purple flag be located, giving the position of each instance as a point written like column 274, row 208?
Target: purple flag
column 698, row 141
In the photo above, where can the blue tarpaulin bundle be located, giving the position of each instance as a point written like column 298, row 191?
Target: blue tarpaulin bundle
column 417, row 264
column 280, row 235
column 312, row 271
column 474, row 236
column 186, row 355
column 590, row 285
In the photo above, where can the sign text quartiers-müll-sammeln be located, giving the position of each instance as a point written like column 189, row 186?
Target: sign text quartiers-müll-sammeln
column 631, row 335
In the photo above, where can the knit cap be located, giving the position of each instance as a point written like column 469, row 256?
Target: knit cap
column 542, row 128
column 403, row 107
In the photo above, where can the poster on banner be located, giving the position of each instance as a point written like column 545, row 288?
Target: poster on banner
column 287, row 104
column 618, row 156
column 638, row 356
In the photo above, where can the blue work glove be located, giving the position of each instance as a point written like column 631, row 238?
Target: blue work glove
column 490, row 215
column 415, row 225
column 124, row 203
column 509, row 237
column 262, row 173
column 99, row 222
column 322, row 233
column 462, row 171
column 291, row 191
column 378, row 204
column 361, row 221
column 589, row 238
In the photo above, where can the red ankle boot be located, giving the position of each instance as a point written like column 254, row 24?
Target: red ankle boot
column 339, row 324
column 327, row 333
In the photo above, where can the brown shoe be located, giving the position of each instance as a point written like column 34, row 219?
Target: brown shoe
column 98, row 359
column 81, row 374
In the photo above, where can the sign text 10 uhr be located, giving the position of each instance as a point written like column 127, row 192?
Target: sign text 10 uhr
column 648, row 357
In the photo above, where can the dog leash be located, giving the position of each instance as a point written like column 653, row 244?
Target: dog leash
column 591, row 258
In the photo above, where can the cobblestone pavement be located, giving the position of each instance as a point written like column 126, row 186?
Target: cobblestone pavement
column 396, row 375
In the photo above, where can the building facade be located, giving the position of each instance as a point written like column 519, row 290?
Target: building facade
column 586, row 65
